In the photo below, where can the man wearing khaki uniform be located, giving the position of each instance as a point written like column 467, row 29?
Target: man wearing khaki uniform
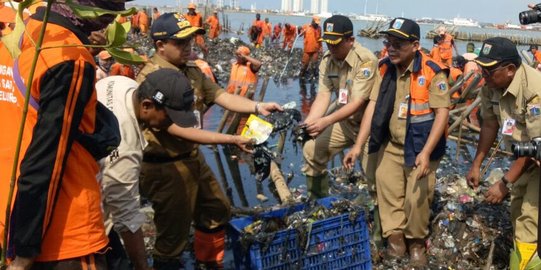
column 347, row 70
column 511, row 100
column 409, row 114
column 175, row 175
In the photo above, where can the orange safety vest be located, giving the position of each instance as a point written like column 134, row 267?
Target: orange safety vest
column 420, row 116
column 446, row 47
column 311, row 38
column 241, row 76
column 435, row 54
column 205, row 68
column 419, row 108
column 72, row 223
column 454, row 75
column 267, row 29
column 195, row 20
column 277, row 32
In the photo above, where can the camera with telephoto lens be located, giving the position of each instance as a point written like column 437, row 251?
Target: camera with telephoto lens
column 530, row 16
column 528, row 149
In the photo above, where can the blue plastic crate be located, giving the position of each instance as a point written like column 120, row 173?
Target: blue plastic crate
column 334, row 243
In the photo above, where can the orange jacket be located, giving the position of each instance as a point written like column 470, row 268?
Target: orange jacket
column 241, row 76
column 195, row 20
column 454, row 75
column 471, row 66
column 122, row 70
column 290, row 32
column 537, row 56
column 57, row 210
column 261, row 25
column 135, row 20
column 311, row 38
column 205, row 68
column 435, row 54
column 267, row 29
column 215, row 27
column 143, row 22
column 446, row 47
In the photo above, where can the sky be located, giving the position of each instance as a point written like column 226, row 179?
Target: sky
column 494, row 11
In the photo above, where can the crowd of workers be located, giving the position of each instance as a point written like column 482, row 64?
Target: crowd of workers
column 72, row 191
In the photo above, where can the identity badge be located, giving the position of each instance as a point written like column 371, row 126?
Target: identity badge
column 508, row 126
column 343, row 96
column 198, row 123
column 403, row 110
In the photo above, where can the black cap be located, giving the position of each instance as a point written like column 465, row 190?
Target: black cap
column 335, row 28
column 173, row 90
column 403, row 28
column 496, row 50
column 173, row 26
column 533, row 46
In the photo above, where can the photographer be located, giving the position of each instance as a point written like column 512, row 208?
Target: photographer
column 511, row 99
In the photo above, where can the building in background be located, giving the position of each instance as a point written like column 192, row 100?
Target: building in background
column 234, row 4
column 286, row 6
column 314, row 7
column 324, row 6
column 219, row 4
column 298, row 6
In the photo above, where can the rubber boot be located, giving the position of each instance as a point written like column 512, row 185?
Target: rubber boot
column 417, row 250
column 160, row 263
column 396, row 245
column 318, row 186
column 209, row 249
column 524, row 257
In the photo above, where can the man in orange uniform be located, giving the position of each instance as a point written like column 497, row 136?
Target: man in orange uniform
column 56, row 220
column 143, row 22
column 446, row 46
column 312, row 45
column 276, row 33
column 435, row 52
column 196, row 20
column 256, row 31
column 267, row 32
column 536, row 53
column 290, row 32
column 243, row 72
column 155, row 14
column 214, row 25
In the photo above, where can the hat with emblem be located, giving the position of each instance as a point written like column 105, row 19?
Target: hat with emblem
column 496, row 50
column 172, row 90
column 173, row 26
column 336, row 28
column 403, row 28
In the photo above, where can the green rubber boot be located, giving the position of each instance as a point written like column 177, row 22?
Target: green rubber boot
column 318, row 186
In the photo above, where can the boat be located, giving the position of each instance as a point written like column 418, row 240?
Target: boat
column 463, row 22
column 373, row 17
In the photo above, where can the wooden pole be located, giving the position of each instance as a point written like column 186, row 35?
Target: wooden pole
column 470, row 108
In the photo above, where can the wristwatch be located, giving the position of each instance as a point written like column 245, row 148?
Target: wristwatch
column 508, row 184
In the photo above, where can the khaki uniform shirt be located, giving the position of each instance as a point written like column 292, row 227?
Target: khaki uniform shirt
column 356, row 74
column 437, row 99
column 161, row 143
column 520, row 105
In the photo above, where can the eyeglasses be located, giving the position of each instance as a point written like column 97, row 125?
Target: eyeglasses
column 396, row 44
column 182, row 42
column 485, row 72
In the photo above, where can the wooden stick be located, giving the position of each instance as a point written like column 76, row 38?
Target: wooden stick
column 491, row 157
column 280, row 183
column 221, row 125
column 465, row 113
column 454, row 138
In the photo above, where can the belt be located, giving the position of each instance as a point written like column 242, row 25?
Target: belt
column 162, row 159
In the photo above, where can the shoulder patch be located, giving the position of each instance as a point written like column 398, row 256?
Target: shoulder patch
column 421, row 80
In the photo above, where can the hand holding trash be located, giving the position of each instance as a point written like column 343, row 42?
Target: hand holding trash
column 244, row 143
column 268, row 107
column 473, row 176
column 496, row 193
column 351, row 157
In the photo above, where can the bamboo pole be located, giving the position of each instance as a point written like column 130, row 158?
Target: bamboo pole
column 470, row 108
column 221, row 172
column 221, row 125
column 454, row 138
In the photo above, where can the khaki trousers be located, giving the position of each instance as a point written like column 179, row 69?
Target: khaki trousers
column 180, row 192
column 524, row 203
column 331, row 141
column 404, row 202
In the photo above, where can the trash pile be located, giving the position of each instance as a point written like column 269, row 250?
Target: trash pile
column 273, row 59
